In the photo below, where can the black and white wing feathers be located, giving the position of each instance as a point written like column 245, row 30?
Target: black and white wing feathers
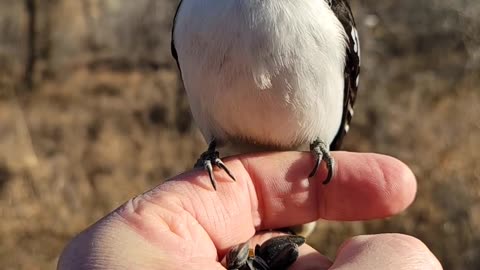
column 172, row 43
column 342, row 10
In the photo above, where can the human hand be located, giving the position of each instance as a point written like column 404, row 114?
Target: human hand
column 185, row 224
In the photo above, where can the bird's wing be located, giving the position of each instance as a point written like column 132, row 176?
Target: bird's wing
column 342, row 10
column 172, row 42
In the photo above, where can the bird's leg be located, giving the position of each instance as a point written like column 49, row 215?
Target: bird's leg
column 320, row 150
column 208, row 159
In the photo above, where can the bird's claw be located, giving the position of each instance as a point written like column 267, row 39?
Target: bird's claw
column 276, row 253
column 208, row 159
column 321, row 152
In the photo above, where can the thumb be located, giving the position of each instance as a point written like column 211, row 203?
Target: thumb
column 385, row 251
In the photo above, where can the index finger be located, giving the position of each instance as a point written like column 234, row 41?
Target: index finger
column 273, row 191
column 365, row 186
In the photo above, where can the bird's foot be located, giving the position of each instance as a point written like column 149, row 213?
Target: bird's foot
column 320, row 150
column 276, row 253
column 210, row 158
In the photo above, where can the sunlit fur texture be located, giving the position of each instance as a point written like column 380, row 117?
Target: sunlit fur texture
column 262, row 73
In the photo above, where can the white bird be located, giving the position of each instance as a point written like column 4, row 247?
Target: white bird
column 268, row 74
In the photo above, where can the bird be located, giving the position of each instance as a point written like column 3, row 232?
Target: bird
column 268, row 75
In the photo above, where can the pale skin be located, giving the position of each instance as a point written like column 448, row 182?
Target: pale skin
column 184, row 224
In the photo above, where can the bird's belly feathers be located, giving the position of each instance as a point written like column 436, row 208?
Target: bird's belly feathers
column 262, row 72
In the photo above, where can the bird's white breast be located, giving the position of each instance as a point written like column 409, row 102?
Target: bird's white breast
column 268, row 72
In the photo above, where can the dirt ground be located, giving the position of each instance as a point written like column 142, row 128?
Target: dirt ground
column 116, row 116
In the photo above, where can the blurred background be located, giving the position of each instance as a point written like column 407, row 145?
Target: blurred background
column 92, row 112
